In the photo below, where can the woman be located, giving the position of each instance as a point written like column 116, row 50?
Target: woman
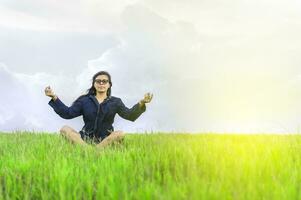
column 98, row 108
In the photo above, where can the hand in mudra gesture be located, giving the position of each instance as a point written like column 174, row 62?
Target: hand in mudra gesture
column 49, row 92
column 147, row 98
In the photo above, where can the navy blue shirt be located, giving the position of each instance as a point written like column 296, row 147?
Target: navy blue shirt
column 98, row 117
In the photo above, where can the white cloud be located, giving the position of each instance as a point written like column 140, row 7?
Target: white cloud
column 25, row 106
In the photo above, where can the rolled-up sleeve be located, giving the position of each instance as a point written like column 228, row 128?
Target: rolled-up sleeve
column 64, row 111
column 130, row 113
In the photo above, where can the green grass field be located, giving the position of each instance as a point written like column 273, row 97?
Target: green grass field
column 152, row 166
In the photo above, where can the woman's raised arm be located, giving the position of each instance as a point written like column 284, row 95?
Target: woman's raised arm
column 61, row 109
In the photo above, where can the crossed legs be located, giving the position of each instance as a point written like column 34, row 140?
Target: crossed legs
column 74, row 137
column 114, row 137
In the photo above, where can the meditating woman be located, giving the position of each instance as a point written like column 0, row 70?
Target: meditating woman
column 98, row 108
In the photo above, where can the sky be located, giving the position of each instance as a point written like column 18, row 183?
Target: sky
column 212, row 65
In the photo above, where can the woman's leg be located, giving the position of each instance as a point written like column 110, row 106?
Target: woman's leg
column 115, row 136
column 72, row 135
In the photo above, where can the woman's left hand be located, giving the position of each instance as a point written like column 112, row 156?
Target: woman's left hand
column 147, row 98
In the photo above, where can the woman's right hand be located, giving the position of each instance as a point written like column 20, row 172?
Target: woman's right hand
column 50, row 93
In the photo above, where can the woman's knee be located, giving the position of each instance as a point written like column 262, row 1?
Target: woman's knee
column 65, row 129
column 121, row 134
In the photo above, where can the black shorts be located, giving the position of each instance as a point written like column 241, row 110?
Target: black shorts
column 89, row 139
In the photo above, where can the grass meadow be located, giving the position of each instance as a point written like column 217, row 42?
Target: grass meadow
column 151, row 166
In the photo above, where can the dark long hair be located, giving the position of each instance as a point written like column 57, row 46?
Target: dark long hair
column 92, row 90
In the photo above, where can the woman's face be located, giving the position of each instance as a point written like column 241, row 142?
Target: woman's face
column 101, row 83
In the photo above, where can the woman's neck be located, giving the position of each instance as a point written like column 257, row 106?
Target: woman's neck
column 102, row 95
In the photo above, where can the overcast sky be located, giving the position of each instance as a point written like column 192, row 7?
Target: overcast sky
column 212, row 65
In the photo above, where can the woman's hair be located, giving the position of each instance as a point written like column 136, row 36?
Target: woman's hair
column 92, row 90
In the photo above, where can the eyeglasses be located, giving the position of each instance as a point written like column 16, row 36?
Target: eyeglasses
column 99, row 81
